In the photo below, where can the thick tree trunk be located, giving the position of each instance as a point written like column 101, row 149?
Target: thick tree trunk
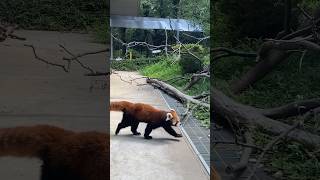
column 267, row 62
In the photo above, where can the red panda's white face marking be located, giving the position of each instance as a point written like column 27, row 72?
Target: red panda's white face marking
column 173, row 117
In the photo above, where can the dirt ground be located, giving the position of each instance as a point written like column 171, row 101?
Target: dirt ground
column 32, row 92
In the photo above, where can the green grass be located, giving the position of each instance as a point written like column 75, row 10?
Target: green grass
column 133, row 65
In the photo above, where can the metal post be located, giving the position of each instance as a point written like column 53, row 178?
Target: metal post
column 178, row 34
column 111, row 45
column 166, row 48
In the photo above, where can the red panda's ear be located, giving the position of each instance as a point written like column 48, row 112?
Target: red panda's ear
column 172, row 110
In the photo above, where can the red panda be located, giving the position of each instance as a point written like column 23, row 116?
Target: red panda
column 66, row 155
column 134, row 113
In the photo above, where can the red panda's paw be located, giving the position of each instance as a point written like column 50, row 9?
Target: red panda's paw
column 136, row 133
column 179, row 135
column 148, row 137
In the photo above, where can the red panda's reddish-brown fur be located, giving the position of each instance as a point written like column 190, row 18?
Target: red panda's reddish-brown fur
column 66, row 155
column 134, row 113
column 142, row 112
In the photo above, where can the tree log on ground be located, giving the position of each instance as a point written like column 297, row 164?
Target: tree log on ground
column 175, row 92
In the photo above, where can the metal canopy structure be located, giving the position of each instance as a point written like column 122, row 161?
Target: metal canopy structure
column 154, row 23
column 124, row 14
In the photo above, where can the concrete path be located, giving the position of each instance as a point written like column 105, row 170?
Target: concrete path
column 133, row 157
column 33, row 93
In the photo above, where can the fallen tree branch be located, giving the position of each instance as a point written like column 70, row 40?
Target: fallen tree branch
column 65, row 69
column 301, row 44
column 195, row 78
column 301, row 32
column 244, row 115
column 98, row 74
column 74, row 57
column 175, row 92
column 291, row 109
column 231, row 52
column 200, row 96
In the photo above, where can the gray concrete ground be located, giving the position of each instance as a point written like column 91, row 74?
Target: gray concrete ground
column 133, row 157
column 32, row 92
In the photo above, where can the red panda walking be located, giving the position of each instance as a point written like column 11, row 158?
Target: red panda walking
column 134, row 113
column 66, row 155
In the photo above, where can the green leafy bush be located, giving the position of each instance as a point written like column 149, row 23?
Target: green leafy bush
column 54, row 14
column 190, row 64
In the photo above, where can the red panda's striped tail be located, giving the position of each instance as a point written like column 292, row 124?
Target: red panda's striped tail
column 29, row 141
column 120, row 105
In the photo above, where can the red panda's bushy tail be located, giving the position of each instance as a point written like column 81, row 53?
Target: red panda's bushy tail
column 29, row 141
column 120, row 105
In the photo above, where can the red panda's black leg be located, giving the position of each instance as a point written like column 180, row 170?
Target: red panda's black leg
column 120, row 126
column 167, row 126
column 125, row 122
column 134, row 127
column 148, row 131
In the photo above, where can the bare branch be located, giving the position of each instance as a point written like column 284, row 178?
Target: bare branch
column 226, row 52
column 270, row 145
column 305, row 13
column 77, row 60
column 45, row 61
column 86, row 53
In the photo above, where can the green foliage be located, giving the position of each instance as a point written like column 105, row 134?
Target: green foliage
column 292, row 158
column 295, row 162
column 202, row 114
column 190, row 64
column 310, row 4
column 101, row 31
column 196, row 11
column 133, row 65
column 166, row 68
column 54, row 14
column 253, row 18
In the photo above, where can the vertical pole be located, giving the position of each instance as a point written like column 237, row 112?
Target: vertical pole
column 111, row 45
column 178, row 36
column 166, row 48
